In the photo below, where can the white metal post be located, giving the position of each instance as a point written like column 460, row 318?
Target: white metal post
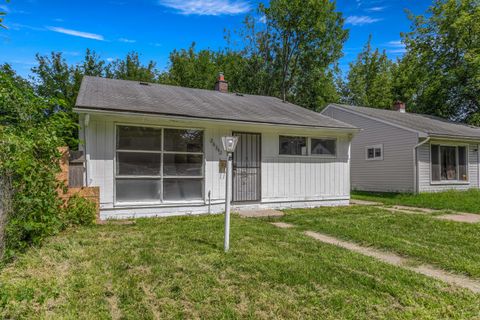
column 226, row 244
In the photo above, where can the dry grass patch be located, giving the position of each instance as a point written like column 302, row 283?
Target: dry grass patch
column 176, row 268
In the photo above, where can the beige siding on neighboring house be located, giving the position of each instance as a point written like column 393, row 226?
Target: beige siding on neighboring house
column 425, row 184
column 393, row 173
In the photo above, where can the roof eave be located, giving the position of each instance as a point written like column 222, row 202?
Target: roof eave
column 92, row 110
column 453, row 137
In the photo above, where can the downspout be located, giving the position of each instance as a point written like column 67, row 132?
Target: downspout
column 87, row 155
column 350, row 137
column 415, row 164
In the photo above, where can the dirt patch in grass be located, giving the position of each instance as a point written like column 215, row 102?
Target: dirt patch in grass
column 451, row 246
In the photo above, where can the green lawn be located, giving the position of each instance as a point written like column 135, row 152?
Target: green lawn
column 175, row 268
column 451, row 245
column 463, row 201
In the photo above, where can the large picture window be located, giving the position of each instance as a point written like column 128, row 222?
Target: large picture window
column 158, row 164
column 449, row 163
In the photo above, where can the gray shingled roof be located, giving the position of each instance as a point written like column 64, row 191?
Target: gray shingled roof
column 131, row 96
column 429, row 125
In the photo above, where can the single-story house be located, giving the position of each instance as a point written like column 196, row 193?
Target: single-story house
column 399, row 151
column 156, row 150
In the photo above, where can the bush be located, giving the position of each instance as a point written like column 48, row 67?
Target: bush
column 31, row 130
column 78, row 211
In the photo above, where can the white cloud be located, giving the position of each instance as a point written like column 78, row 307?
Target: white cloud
column 262, row 19
column 361, row 20
column 396, row 43
column 125, row 40
column 110, row 59
column 401, row 50
column 207, row 7
column 375, row 9
column 18, row 26
column 396, row 47
column 76, row 33
column 4, row 8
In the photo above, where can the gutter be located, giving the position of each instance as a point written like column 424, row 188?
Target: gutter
column 415, row 164
column 455, row 138
column 85, row 110
column 86, row 122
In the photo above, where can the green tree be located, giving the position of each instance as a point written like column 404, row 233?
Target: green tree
column 55, row 79
column 440, row 73
column 2, row 16
column 131, row 68
column 370, row 79
column 199, row 69
column 304, row 41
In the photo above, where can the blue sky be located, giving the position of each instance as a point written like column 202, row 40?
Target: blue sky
column 155, row 27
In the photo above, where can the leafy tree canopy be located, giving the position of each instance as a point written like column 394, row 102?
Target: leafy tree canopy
column 440, row 73
column 370, row 79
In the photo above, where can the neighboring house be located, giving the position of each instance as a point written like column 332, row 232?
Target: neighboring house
column 156, row 150
column 405, row 152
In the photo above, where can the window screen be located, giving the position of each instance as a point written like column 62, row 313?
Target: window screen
column 462, row 164
column 449, row 163
column 371, row 153
column 435, row 163
column 323, row 146
column 293, row 145
column 140, row 160
column 375, row 152
column 448, row 159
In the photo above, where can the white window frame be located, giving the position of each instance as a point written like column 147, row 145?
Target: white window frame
column 160, row 177
column 309, row 146
column 375, row 158
column 456, row 145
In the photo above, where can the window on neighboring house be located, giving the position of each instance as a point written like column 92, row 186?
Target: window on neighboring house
column 296, row 146
column 157, row 164
column 323, row 147
column 449, row 163
column 374, row 152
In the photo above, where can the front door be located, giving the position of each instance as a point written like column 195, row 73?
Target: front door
column 247, row 160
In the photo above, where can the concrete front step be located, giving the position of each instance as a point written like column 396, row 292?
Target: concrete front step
column 260, row 213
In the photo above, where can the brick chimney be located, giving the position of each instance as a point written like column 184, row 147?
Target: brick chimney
column 221, row 85
column 399, row 106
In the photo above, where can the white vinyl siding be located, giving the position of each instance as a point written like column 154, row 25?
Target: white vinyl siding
column 395, row 172
column 287, row 180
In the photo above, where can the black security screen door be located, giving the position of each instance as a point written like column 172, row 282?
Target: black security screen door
column 247, row 160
